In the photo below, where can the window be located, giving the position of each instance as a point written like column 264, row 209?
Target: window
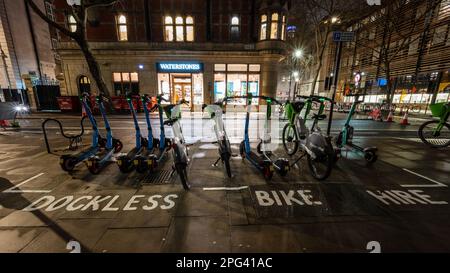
column 234, row 29
column 122, row 30
column 444, row 9
column 168, row 29
column 72, row 24
column 274, row 26
column 263, row 34
column 440, row 34
column 189, row 29
column 180, row 31
column 236, row 80
column 125, row 83
column 283, row 28
column 414, row 45
column 49, row 10
column 84, row 85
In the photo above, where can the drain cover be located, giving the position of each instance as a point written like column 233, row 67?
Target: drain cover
column 158, row 177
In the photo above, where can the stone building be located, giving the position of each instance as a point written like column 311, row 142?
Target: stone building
column 199, row 50
column 27, row 53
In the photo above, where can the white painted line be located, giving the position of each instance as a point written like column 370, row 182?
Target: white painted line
column 435, row 185
column 226, row 188
column 16, row 190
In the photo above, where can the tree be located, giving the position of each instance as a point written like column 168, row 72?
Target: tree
column 318, row 19
column 399, row 25
column 79, row 11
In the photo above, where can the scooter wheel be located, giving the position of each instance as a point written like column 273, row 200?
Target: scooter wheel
column 125, row 164
column 94, row 166
column 283, row 167
column 117, row 145
column 182, row 173
column 68, row 164
column 268, row 172
column 370, row 157
column 242, row 149
column 141, row 167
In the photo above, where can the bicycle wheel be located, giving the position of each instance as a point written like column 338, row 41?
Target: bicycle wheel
column 226, row 162
column 321, row 166
column 430, row 136
column 290, row 139
column 182, row 173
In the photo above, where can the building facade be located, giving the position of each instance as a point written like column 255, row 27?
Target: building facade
column 193, row 49
column 27, row 51
column 410, row 45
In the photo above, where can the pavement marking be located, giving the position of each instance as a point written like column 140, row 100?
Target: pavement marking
column 13, row 189
column 226, row 188
column 435, row 185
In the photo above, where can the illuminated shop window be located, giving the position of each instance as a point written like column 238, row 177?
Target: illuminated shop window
column 236, row 80
column 122, row 30
column 283, row 28
column 168, row 29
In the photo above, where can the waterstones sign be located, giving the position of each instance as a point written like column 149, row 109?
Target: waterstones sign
column 179, row 67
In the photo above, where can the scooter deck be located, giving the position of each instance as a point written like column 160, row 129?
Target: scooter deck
column 92, row 151
column 256, row 159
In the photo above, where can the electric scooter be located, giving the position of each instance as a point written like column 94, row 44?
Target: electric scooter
column 126, row 162
column 69, row 161
column 345, row 139
column 216, row 111
column 179, row 149
column 98, row 161
column 157, row 150
column 281, row 165
column 261, row 163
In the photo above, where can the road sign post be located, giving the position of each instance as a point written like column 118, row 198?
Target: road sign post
column 339, row 37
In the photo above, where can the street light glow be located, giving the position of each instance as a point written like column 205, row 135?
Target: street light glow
column 296, row 74
column 298, row 53
column 334, row 20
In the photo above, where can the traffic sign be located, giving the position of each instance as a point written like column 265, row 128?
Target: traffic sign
column 343, row 36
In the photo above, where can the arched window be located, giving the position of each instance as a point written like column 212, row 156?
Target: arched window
column 189, row 29
column 84, row 85
column 168, row 29
column 263, row 32
column 274, row 26
column 180, row 30
column 72, row 23
column 122, row 30
column 235, row 28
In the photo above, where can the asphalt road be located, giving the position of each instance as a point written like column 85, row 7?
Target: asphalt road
column 398, row 204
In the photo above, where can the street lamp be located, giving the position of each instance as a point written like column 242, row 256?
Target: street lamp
column 298, row 53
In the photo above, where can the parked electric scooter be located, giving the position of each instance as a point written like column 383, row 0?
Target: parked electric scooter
column 281, row 165
column 313, row 143
column 179, row 149
column 69, row 161
column 261, row 163
column 345, row 139
column 157, row 150
column 98, row 161
column 216, row 111
column 126, row 162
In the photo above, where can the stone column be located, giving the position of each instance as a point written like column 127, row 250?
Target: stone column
column 30, row 92
column 208, row 83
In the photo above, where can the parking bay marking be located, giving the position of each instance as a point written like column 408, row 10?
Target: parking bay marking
column 226, row 188
column 436, row 184
column 15, row 189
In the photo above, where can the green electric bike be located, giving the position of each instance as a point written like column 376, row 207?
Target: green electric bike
column 436, row 133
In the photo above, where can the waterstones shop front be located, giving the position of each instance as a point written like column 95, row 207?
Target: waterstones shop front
column 185, row 80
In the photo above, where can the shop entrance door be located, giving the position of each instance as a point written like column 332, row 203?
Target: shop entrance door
column 182, row 89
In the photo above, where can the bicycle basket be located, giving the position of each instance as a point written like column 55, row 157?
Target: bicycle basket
column 438, row 110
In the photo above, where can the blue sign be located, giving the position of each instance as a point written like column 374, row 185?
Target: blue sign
column 382, row 82
column 343, row 36
column 179, row 67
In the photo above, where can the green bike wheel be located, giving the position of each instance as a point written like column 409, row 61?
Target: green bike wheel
column 290, row 139
column 429, row 134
